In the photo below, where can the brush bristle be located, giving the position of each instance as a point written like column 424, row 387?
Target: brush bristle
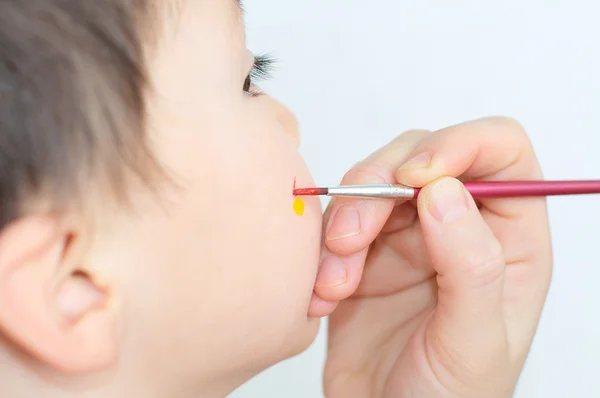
column 310, row 191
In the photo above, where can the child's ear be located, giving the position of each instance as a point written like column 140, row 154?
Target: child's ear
column 49, row 306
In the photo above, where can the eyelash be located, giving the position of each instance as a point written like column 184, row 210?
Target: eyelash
column 263, row 66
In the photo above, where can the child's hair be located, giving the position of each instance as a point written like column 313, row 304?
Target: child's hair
column 72, row 100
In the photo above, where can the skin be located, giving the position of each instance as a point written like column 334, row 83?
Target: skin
column 456, row 298
column 194, row 290
column 191, row 291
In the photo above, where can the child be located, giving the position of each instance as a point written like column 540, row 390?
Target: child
column 150, row 245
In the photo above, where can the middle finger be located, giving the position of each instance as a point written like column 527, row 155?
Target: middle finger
column 351, row 224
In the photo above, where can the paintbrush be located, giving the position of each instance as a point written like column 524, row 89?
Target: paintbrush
column 478, row 189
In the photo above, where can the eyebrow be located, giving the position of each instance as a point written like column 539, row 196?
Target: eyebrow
column 240, row 5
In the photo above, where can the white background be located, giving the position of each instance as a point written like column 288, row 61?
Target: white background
column 356, row 73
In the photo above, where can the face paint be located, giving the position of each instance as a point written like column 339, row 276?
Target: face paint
column 298, row 203
column 298, row 206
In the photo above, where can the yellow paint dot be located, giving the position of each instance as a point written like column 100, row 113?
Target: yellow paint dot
column 299, row 206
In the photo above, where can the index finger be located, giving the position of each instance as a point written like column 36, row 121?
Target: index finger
column 352, row 224
column 497, row 149
column 492, row 148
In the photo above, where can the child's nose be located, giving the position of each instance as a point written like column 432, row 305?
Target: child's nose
column 287, row 120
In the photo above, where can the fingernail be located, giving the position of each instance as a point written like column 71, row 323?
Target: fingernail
column 447, row 200
column 418, row 161
column 344, row 223
column 332, row 272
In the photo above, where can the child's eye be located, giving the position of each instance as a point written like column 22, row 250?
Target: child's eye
column 263, row 66
column 248, row 84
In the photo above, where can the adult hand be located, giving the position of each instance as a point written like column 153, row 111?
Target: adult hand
column 442, row 295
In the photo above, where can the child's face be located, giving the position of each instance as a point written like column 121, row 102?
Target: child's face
column 219, row 272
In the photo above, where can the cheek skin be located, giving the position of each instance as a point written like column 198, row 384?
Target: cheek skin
column 221, row 273
column 236, row 267
column 227, row 255
column 280, row 248
column 277, row 251
column 286, row 119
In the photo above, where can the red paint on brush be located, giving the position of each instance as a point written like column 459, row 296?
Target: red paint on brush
column 310, row 191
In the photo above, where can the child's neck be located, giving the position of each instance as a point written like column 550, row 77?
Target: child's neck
column 21, row 376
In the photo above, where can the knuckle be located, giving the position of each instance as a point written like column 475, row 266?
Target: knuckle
column 410, row 139
column 413, row 134
column 398, row 148
column 510, row 124
column 367, row 173
column 475, row 368
column 514, row 132
column 485, row 266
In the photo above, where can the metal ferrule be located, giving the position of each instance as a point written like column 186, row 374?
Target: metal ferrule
column 376, row 191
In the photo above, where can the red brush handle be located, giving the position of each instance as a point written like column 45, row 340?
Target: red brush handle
column 511, row 189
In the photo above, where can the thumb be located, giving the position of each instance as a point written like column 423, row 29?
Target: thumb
column 468, row 259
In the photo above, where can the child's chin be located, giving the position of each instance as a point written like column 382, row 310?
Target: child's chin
column 303, row 338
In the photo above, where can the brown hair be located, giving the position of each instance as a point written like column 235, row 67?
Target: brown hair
column 72, row 100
